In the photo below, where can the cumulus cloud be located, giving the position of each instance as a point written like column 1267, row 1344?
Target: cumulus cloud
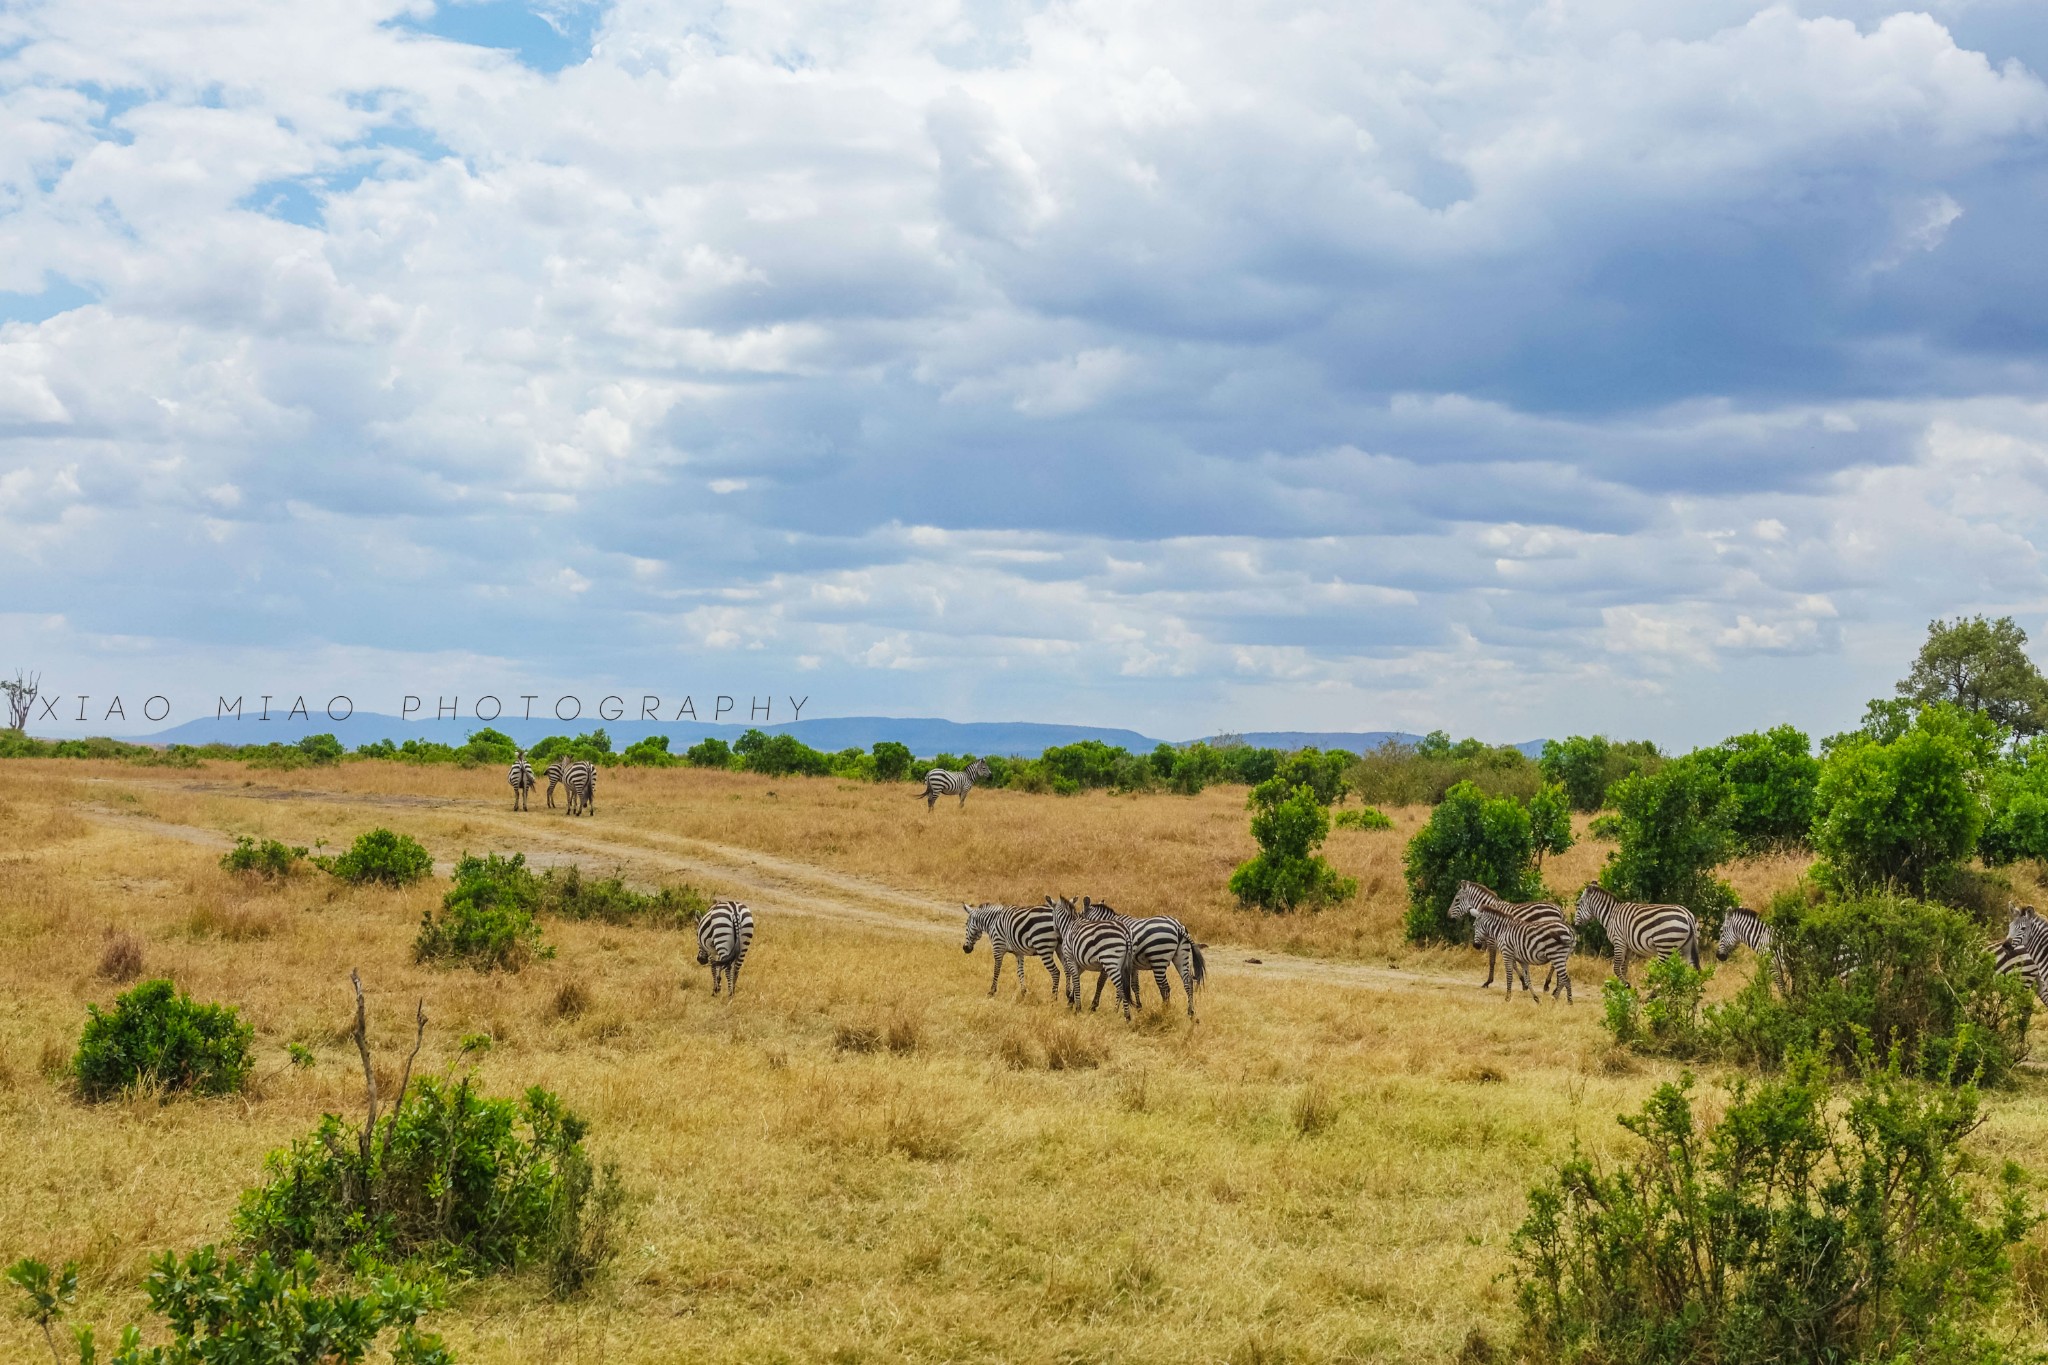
column 1520, row 368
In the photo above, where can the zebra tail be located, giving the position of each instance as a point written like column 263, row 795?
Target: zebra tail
column 1201, row 971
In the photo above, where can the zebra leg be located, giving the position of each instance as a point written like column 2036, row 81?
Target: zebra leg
column 963, row 801
column 1052, row 968
column 1187, row 986
column 1101, row 980
column 717, row 975
column 1159, row 980
column 1023, row 988
column 732, row 981
column 996, row 977
column 1621, row 965
column 1490, row 952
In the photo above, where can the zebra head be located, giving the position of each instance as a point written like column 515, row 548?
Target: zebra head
column 1594, row 902
column 979, row 921
column 1470, row 898
column 1742, row 925
column 1096, row 910
column 519, row 756
column 978, row 770
column 2026, row 927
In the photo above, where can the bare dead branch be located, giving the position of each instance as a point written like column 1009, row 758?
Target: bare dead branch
column 362, row 1032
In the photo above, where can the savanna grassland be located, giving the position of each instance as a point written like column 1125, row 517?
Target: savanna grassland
column 863, row 1157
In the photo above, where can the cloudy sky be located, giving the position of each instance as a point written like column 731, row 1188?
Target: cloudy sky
column 1518, row 368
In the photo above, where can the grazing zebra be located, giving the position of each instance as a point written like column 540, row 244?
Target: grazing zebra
column 1158, row 942
column 2027, row 934
column 521, row 778
column 1020, row 930
column 723, row 937
column 581, row 780
column 556, row 771
column 1639, row 930
column 1522, row 941
column 1102, row 946
column 1744, row 926
column 938, row 782
column 1472, row 896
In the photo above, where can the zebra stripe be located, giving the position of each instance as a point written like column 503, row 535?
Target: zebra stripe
column 1639, row 930
column 1020, row 930
column 1472, row 896
column 555, row 773
column 1744, row 927
column 1102, row 946
column 723, row 937
column 938, row 782
column 581, row 780
column 2027, row 935
column 521, row 778
column 1159, row 942
column 1524, row 941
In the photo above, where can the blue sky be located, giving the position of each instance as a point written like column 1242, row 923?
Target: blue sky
column 1517, row 368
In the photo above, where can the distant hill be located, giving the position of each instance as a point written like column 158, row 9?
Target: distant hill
column 925, row 735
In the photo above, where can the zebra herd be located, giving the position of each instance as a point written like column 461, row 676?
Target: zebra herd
column 578, row 777
column 1536, row 932
column 1089, row 937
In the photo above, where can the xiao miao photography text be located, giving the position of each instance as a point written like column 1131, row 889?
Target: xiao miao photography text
column 485, row 707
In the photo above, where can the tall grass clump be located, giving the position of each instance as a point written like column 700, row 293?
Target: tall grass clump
column 156, row 1036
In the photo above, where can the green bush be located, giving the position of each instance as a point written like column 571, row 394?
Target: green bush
column 1794, row 1229
column 567, row 893
column 651, row 752
column 2016, row 806
column 1665, row 1020
column 157, row 1036
column 1289, row 824
column 221, row 1312
column 780, row 756
column 487, row 918
column 1367, row 818
column 1772, row 780
column 269, row 860
column 1550, row 821
column 453, row 1178
column 1470, row 837
column 892, row 760
column 1587, row 766
column 1874, row 975
column 275, row 757
column 1674, row 826
column 1397, row 774
column 377, row 748
column 709, row 753
column 380, row 856
column 1900, row 811
column 322, row 749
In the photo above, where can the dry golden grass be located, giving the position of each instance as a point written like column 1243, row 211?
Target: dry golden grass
column 863, row 1157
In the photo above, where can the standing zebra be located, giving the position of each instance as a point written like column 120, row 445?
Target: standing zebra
column 723, row 937
column 2027, row 935
column 1160, row 941
column 1020, row 930
column 581, row 780
column 556, row 772
column 1102, row 946
column 1472, row 897
column 521, row 778
column 1743, row 925
column 938, row 782
column 1639, row 930
column 1520, row 942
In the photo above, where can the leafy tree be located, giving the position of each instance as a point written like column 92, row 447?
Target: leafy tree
column 709, row 753
column 892, row 760
column 1289, row 825
column 1322, row 773
column 1550, row 821
column 1980, row 665
column 1794, row 1229
column 1902, row 811
column 1587, row 766
column 1470, row 837
column 321, row 749
column 488, row 746
column 377, row 748
column 2016, row 806
column 1435, row 744
column 1674, row 827
column 156, row 1034
column 780, row 755
column 1772, row 778
column 649, row 752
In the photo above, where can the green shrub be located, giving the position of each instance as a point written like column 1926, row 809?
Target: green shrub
column 1470, row 837
column 1772, row 780
column 1875, row 975
column 1367, row 818
column 651, row 752
column 1550, row 821
column 1289, row 824
column 321, row 749
column 269, row 860
column 1674, row 827
column 1587, row 766
column 1665, row 1020
column 1397, row 774
column 709, row 753
column 780, row 755
column 567, row 893
column 157, row 1036
column 380, row 856
column 892, row 760
column 377, row 748
column 2016, row 806
column 221, row 1312
column 452, row 1178
column 1791, row 1230
column 275, row 757
column 1900, row 811
column 487, row 918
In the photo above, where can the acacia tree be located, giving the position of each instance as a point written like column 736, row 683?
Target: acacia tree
column 21, row 697
column 1980, row 665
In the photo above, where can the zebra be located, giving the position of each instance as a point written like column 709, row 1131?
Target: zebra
column 1472, row 896
column 938, row 782
column 581, row 780
column 556, row 771
column 1639, row 930
column 1020, row 930
column 2027, row 936
column 1741, row 926
column 521, row 778
column 1524, row 941
column 1160, row 941
column 1102, row 946
column 723, row 936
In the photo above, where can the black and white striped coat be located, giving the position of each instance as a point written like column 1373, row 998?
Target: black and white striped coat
column 554, row 774
column 1471, row 896
column 581, row 781
column 1744, row 927
column 1094, row 942
column 1637, row 929
column 1021, row 930
column 2026, row 936
column 1157, row 943
column 521, row 778
column 723, row 936
column 1522, row 941
column 938, row 782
